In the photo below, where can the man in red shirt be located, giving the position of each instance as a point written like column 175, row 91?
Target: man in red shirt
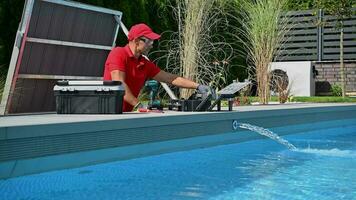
column 126, row 64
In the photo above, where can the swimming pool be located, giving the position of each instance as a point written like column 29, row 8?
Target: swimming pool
column 322, row 168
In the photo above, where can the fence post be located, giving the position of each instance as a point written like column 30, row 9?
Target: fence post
column 320, row 34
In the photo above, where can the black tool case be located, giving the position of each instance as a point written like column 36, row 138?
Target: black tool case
column 195, row 103
column 189, row 105
column 89, row 97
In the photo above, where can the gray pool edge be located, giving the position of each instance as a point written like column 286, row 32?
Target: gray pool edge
column 205, row 130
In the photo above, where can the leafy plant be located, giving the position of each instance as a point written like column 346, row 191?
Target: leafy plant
column 300, row 4
column 336, row 90
column 243, row 98
column 308, row 4
column 291, row 98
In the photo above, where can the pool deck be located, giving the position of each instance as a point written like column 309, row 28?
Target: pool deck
column 38, row 143
column 46, row 119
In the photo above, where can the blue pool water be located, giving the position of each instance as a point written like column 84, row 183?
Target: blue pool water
column 324, row 167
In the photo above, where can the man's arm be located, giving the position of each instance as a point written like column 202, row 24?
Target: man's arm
column 117, row 75
column 173, row 79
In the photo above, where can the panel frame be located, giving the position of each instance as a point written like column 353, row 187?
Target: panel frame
column 17, row 51
column 68, row 44
column 22, row 39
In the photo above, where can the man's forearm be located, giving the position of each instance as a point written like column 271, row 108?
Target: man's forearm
column 184, row 83
column 116, row 75
column 173, row 79
column 129, row 97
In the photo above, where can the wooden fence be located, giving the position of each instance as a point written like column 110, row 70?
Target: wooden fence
column 314, row 37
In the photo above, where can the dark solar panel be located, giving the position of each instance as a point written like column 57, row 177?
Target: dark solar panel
column 48, row 59
column 60, row 40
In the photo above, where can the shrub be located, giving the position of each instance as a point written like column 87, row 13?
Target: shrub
column 336, row 90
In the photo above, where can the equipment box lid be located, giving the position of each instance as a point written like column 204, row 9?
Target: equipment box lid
column 63, row 86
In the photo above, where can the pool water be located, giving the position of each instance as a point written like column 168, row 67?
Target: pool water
column 323, row 167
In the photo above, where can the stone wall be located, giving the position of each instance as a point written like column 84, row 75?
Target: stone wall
column 329, row 74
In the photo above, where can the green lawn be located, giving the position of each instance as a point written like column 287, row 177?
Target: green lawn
column 314, row 99
column 325, row 99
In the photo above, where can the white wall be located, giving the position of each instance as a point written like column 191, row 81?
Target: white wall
column 300, row 74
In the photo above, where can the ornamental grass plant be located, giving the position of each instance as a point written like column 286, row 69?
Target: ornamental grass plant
column 263, row 30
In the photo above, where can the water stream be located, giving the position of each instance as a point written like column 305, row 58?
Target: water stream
column 268, row 133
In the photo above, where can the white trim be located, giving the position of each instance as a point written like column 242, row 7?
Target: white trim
column 84, row 6
column 118, row 20
column 70, row 44
column 58, row 77
column 124, row 29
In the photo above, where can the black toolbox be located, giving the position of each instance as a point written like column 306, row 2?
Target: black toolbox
column 195, row 103
column 89, row 97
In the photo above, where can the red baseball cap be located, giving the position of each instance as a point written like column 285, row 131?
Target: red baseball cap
column 139, row 30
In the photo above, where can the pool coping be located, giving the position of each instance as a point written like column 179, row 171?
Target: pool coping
column 38, row 143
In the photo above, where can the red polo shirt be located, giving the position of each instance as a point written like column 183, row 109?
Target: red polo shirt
column 137, row 70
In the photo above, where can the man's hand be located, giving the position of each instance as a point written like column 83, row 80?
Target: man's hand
column 139, row 106
column 204, row 89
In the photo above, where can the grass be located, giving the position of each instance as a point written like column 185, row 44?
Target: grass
column 243, row 101
column 314, row 99
column 325, row 99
